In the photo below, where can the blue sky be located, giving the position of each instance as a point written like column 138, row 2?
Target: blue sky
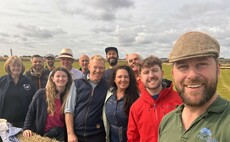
column 88, row 26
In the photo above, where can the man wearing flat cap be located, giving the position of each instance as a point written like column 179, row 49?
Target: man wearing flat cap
column 112, row 58
column 66, row 61
column 204, row 116
column 50, row 60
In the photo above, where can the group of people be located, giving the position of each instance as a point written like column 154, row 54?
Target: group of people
column 132, row 102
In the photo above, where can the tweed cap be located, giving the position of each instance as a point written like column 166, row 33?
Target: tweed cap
column 194, row 44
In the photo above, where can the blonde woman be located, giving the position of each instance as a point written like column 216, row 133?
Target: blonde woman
column 46, row 108
column 16, row 92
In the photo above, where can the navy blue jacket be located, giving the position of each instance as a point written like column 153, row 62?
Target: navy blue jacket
column 37, row 113
column 24, row 90
column 88, row 109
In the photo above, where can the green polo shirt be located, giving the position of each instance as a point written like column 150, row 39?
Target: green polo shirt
column 211, row 126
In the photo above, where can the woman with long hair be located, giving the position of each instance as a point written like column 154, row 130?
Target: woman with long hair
column 122, row 94
column 45, row 115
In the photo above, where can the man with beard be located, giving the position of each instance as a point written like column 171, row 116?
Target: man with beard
column 50, row 60
column 112, row 58
column 157, row 99
column 204, row 115
column 37, row 73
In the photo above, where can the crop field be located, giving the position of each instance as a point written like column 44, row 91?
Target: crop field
column 223, row 85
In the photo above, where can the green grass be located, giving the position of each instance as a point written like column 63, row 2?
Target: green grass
column 223, row 87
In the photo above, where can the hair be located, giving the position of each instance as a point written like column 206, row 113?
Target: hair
column 51, row 90
column 149, row 62
column 131, row 93
column 13, row 60
column 97, row 58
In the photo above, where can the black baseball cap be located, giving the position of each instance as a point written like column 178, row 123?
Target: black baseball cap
column 107, row 49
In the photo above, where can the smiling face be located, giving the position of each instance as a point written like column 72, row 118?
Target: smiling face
column 133, row 61
column 37, row 63
column 122, row 79
column 196, row 79
column 60, row 79
column 84, row 61
column 96, row 68
column 152, row 77
column 112, row 57
column 15, row 69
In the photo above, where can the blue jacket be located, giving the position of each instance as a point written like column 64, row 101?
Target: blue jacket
column 88, row 109
column 24, row 90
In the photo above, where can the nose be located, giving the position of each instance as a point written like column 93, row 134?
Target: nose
column 192, row 74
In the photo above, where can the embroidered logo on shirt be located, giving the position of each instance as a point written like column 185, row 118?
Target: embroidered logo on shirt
column 26, row 86
column 206, row 135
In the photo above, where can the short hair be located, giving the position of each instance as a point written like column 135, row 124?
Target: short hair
column 13, row 60
column 150, row 61
column 97, row 58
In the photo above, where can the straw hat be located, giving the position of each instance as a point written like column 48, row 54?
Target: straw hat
column 194, row 44
column 66, row 53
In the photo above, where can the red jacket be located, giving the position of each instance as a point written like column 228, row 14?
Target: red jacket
column 146, row 113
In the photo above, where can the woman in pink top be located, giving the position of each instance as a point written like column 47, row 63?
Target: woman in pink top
column 45, row 115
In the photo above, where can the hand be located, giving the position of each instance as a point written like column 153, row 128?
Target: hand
column 72, row 138
column 27, row 133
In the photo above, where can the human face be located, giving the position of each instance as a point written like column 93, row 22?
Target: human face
column 152, row 77
column 122, row 79
column 112, row 57
column 66, row 63
column 50, row 61
column 37, row 63
column 84, row 62
column 96, row 69
column 133, row 61
column 60, row 79
column 196, row 79
column 15, row 69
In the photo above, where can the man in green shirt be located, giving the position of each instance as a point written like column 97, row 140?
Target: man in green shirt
column 204, row 115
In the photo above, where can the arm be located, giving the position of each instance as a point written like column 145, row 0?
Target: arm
column 132, row 132
column 70, row 127
column 69, row 113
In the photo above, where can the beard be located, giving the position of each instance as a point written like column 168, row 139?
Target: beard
column 208, row 92
column 112, row 61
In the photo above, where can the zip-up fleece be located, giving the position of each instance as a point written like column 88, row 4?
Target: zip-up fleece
column 88, row 109
column 146, row 113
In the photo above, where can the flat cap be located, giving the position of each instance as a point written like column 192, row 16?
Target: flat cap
column 194, row 44
column 107, row 49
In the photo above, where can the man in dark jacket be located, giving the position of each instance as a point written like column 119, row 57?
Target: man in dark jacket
column 83, row 112
column 37, row 73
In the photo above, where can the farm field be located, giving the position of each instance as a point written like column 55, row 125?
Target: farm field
column 223, row 84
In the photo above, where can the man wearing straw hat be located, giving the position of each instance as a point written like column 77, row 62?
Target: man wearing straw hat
column 204, row 115
column 66, row 60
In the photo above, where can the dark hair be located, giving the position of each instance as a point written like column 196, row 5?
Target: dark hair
column 149, row 62
column 131, row 93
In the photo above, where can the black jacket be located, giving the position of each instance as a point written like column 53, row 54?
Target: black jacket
column 24, row 90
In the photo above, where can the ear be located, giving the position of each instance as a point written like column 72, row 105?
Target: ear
column 162, row 73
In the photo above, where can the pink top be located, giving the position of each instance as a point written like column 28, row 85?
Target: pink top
column 57, row 120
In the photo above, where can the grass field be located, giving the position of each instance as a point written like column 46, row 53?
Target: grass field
column 223, row 85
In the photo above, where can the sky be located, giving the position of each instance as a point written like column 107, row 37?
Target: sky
column 147, row 27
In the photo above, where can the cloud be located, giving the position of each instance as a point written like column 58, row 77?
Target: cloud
column 104, row 10
column 40, row 32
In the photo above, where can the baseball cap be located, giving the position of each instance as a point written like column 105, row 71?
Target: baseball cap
column 107, row 49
